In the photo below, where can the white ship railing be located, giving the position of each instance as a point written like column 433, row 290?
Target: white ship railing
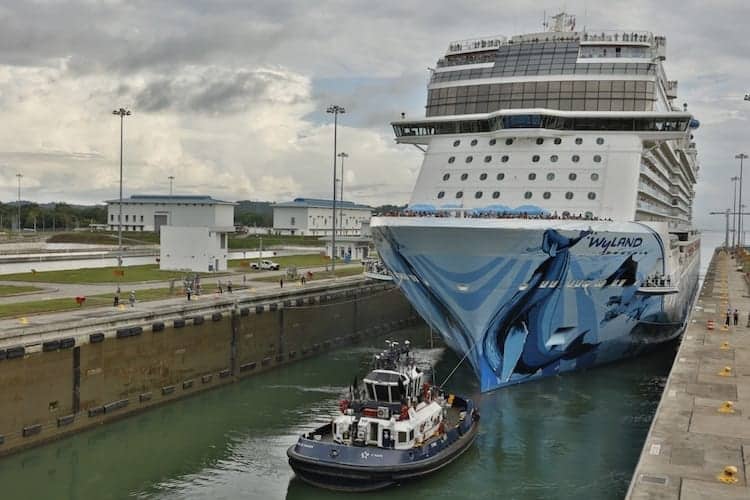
column 475, row 44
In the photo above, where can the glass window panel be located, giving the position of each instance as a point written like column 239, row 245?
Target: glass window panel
column 554, row 86
column 616, row 104
column 565, row 104
column 592, row 104
column 629, row 86
column 579, row 86
column 578, row 105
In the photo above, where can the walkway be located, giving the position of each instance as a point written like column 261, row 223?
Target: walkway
column 699, row 442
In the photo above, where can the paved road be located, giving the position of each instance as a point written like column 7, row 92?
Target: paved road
column 62, row 290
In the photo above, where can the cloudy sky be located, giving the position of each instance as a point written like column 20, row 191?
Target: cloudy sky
column 230, row 96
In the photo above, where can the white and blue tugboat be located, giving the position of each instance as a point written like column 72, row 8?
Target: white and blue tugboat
column 394, row 427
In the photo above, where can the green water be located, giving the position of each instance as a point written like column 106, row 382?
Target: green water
column 574, row 436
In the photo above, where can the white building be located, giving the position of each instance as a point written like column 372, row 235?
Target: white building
column 194, row 229
column 313, row 217
column 149, row 212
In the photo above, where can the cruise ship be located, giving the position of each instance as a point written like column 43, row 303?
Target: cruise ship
column 550, row 226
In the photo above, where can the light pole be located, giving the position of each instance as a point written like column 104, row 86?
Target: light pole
column 336, row 110
column 122, row 113
column 342, row 155
column 19, row 202
column 171, row 180
column 734, row 179
column 741, row 157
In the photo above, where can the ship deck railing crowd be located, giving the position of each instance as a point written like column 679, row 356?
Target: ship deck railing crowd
column 479, row 214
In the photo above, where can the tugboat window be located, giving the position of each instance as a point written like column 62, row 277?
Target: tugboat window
column 535, row 158
column 496, row 194
column 441, row 194
column 469, row 159
column 508, row 142
column 553, row 158
column 487, row 159
column 500, row 176
column 456, row 143
column 493, row 142
column 539, row 141
column 474, row 142
column 464, row 177
column 401, row 436
column 558, row 140
column 451, row 159
column 505, row 158
column 600, row 140
column 460, row 194
column 483, row 177
column 381, row 391
column 446, row 177
column 579, row 140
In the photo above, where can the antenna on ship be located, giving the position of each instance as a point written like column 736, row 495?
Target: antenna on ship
column 545, row 24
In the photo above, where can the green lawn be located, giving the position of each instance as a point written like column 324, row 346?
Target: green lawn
column 7, row 290
column 106, row 238
column 68, row 303
column 252, row 242
column 340, row 273
column 148, row 272
column 304, row 260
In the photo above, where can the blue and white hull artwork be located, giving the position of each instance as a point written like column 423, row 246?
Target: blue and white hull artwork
column 524, row 299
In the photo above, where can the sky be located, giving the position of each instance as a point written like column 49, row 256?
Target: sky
column 229, row 97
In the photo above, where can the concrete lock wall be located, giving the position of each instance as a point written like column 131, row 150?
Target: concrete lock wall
column 57, row 388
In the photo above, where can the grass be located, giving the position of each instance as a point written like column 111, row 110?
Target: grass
column 304, row 260
column 131, row 274
column 340, row 273
column 252, row 242
column 8, row 290
column 68, row 303
column 105, row 238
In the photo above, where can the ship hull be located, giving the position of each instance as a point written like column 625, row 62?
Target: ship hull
column 525, row 299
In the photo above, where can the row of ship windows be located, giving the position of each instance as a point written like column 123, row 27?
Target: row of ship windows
column 534, row 159
column 539, row 140
column 489, row 106
column 532, row 176
column 527, row 195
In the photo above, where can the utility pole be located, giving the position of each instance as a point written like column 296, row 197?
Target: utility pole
column 335, row 110
column 171, row 180
column 20, row 230
column 734, row 179
column 741, row 157
column 122, row 113
column 342, row 155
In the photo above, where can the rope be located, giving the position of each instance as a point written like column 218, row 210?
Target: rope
column 459, row 364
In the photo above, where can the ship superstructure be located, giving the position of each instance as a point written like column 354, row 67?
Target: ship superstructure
column 550, row 225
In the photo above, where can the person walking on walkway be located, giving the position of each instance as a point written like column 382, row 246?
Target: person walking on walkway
column 188, row 292
column 132, row 298
column 281, row 282
column 116, row 300
column 736, row 317
column 229, row 286
column 729, row 316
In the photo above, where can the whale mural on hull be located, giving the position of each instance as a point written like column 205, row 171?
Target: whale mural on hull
column 529, row 311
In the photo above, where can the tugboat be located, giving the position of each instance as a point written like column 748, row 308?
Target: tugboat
column 395, row 427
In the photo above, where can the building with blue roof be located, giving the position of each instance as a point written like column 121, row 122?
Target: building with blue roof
column 314, row 217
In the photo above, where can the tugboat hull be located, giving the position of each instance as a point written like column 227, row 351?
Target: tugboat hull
column 358, row 469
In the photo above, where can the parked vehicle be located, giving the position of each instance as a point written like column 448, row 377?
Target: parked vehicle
column 265, row 265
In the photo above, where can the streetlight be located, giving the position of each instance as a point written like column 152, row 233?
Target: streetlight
column 19, row 202
column 734, row 179
column 336, row 110
column 342, row 155
column 122, row 113
column 741, row 157
column 171, row 180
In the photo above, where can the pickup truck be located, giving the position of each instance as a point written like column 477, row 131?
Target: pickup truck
column 265, row 265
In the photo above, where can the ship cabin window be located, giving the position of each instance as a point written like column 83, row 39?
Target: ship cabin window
column 397, row 393
column 579, row 140
column 600, row 140
column 575, row 158
column 594, row 176
column 411, row 435
column 558, row 140
column 474, row 142
column 460, row 194
column 592, row 196
column 478, row 195
column 546, row 195
column 483, row 176
column 496, row 194
column 508, row 142
column 527, row 195
column 464, row 177
column 446, row 177
column 535, row 158
column 505, row 158
column 572, row 176
column 569, row 195
column 451, row 159
column 402, row 436
column 493, row 142
column 500, row 176
column 370, row 391
column 540, row 141
column 589, row 215
column 532, row 176
column 441, row 194
column 551, row 176
column 487, row 159
column 456, row 143
column 469, row 159
column 597, row 159
column 553, row 158
column 381, row 392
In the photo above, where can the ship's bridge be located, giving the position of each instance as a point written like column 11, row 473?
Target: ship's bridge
column 648, row 125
